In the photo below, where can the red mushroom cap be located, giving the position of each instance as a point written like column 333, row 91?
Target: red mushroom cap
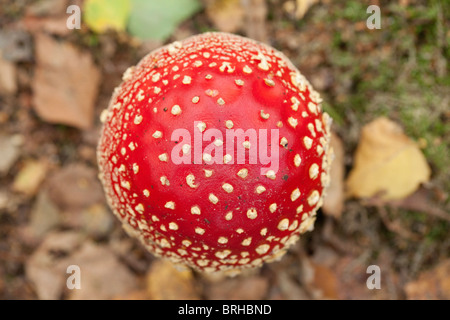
column 215, row 152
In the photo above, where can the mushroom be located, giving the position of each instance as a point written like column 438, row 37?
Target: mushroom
column 215, row 152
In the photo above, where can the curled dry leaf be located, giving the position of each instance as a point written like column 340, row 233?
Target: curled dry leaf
column 387, row 163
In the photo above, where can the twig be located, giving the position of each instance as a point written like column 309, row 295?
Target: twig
column 395, row 226
column 340, row 245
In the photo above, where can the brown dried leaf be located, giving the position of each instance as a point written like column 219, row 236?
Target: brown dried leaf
column 47, row 8
column 103, row 276
column 329, row 275
column 351, row 274
column 46, row 268
column 165, row 282
column 387, row 163
column 65, row 84
column 226, row 15
column 318, row 278
column 52, row 25
column 75, row 187
column 96, row 220
column 334, row 200
column 44, row 216
column 432, row 284
column 325, row 282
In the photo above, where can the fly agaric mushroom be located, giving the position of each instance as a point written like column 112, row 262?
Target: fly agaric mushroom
column 170, row 153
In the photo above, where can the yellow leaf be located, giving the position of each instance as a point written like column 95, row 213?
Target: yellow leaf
column 30, row 177
column 387, row 163
column 166, row 282
column 101, row 15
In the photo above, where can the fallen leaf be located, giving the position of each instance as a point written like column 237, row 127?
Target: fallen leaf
column 46, row 267
column 8, row 83
column 96, row 220
column 166, row 282
column 318, row 278
column 10, row 149
column 298, row 8
column 387, row 163
column 75, row 187
column 43, row 217
column 103, row 276
column 325, row 282
column 165, row 16
column 352, row 275
column 51, row 25
column 334, row 199
column 102, row 15
column 48, row 16
column 65, row 84
column 30, row 177
column 433, row 284
column 226, row 15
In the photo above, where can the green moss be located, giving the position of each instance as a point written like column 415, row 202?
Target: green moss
column 438, row 232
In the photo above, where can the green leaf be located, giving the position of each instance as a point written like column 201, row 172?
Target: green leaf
column 101, row 15
column 157, row 19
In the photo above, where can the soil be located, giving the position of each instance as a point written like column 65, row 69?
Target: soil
column 53, row 213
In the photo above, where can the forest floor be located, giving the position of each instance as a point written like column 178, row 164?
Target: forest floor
column 52, row 207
